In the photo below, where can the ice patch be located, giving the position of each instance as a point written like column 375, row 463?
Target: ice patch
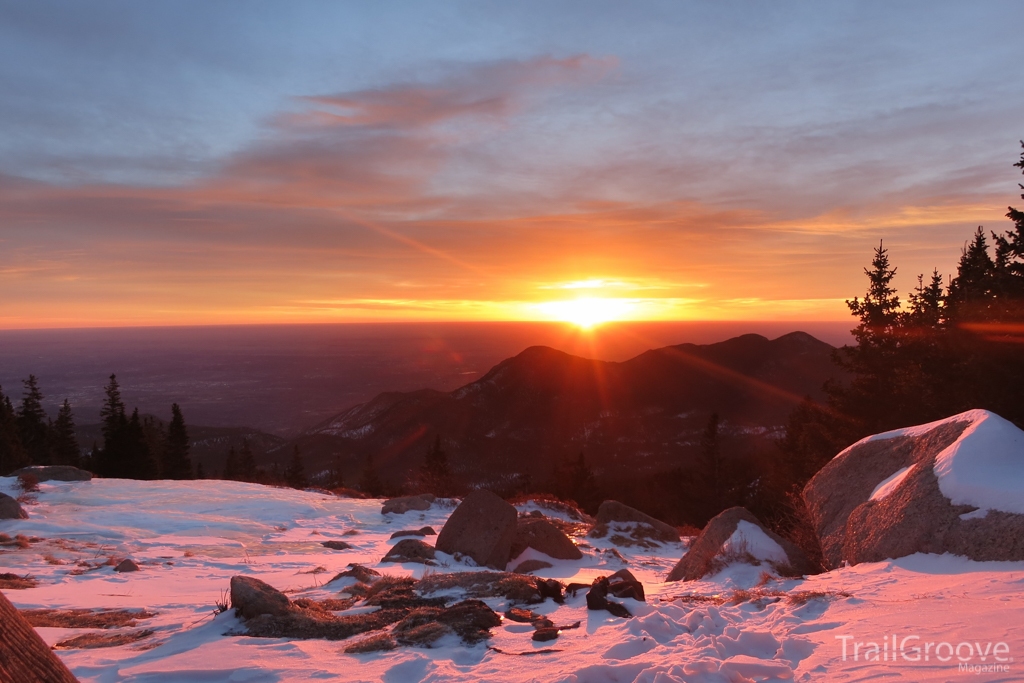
column 891, row 483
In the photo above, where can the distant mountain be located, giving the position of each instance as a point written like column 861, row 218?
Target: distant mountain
column 525, row 413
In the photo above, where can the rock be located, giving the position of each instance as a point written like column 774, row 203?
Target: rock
column 550, row 588
column 54, row 473
column 126, row 565
column 545, row 634
column 857, row 519
column 545, row 537
column 359, row 573
column 10, row 508
column 622, row 584
column 735, row 535
column 527, row 566
column 424, row 531
column 410, row 550
column 521, row 615
column 597, row 599
column 24, row 655
column 337, row 545
column 251, row 597
column 406, row 503
column 482, row 527
column 645, row 526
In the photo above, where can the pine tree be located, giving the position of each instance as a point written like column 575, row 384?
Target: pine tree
column 370, row 482
column 65, row 444
column 32, row 424
column 110, row 460
column 177, row 464
column 247, row 463
column 711, row 474
column 972, row 293
column 583, row 484
column 231, row 467
column 200, row 472
column 295, row 475
column 435, row 476
column 138, row 460
column 11, row 455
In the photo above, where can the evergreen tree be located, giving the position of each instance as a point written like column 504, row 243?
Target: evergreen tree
column 32, row 424
column 247, row 463
column 65, row 444
column 231, row 467
column 370, row 482
column 138, row 460
column 972, row 294
column 200, row 472
column 11, row 455
column 295, row 475
column 711, row 475
column 154, row 434
column 177, row 464
column 110, row 461
column 435, row 476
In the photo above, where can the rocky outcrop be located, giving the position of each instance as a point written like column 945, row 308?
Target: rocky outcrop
column 10, row 509
column 54, row 473
column 410, row 550
column 24, row 656
column 629, row 526
column 251, row 598
column 735, row 535
column 422, row 531
column 482, row 528
column 545, row 537
column 404, row 504
column 882, row 497
column 125, row 566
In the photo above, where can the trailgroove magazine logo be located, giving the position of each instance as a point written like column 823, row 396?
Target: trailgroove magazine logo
column 970, row 657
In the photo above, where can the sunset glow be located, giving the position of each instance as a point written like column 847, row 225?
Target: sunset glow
column 352, row 164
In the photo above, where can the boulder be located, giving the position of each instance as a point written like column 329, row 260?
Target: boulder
column 359, row 573
column 24, row 655
column 54, row 473
column 527, row 566
column 398, row 506
column 336, row 545
column 422, row 531
column 125, row 566
column 735, row 535
column 482, row 527
column 10, row 508
column 545, row 537
column 954, row 486
column 410, row 550
column 251, row 597
column 647, row 527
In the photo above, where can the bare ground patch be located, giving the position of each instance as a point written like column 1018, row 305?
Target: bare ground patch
column 84, row 618
column 88, row 641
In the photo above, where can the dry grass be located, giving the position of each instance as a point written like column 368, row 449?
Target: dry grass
column 84, row 618
column 19, row 541
column 13, row 582
column 95, row 640
column 50, row 559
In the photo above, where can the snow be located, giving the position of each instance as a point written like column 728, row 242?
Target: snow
column 751, row 539
column 890, row 483
column 191, row 537
column 983, row 468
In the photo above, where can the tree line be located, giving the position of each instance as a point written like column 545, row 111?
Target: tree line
column 133, row 447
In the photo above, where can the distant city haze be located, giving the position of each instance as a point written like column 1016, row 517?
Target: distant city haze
column 283, row 379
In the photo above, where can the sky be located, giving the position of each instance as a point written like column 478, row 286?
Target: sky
column 170, row 163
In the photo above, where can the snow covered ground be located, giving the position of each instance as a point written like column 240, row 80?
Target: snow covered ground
column 946, row 615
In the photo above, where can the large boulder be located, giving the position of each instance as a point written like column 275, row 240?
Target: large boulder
column 54, row 473
column 251, row 597
column 10, row 508
column 482, row 527
column 398, row 506
column 735, row 535
column 410, row 550
column 545, row 537
column 641, row 526
column 955, row 485
column 24, row 655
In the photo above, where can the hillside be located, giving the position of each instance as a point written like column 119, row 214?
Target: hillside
column 643, row 414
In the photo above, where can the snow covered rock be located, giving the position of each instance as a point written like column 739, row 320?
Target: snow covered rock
column 398, row 506
column 735, row 535
column 252, row 597
column 10, row 509
column 54, row 473
column 482, row 527
column 643, row 525
column 955, row 485
column 545, row 537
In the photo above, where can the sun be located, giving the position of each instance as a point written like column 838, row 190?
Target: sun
column 587, row 312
